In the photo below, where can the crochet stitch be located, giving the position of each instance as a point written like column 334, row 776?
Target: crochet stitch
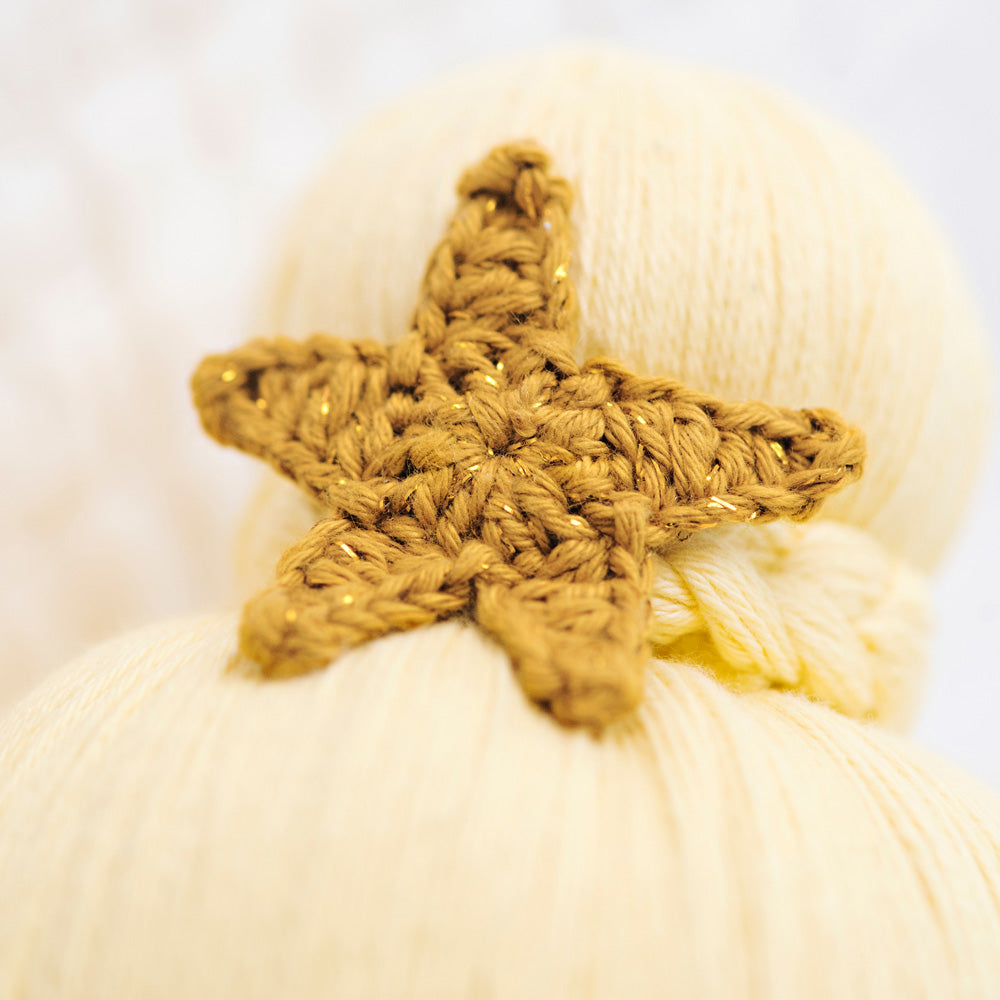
column 475, row 467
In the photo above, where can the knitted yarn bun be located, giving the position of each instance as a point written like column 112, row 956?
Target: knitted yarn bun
column 406, row 823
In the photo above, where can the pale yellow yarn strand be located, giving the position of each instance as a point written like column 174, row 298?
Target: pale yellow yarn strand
column 817, row 608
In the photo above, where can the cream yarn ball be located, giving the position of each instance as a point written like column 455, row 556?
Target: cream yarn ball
column 726, row 236
column 405, row 824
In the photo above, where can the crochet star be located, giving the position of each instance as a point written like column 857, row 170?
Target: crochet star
column 475, row 468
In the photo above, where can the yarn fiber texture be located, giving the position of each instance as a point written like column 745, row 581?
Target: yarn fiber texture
column 406, row 824
column 474, row 467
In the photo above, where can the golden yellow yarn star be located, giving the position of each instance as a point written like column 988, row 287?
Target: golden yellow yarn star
column 476, row 468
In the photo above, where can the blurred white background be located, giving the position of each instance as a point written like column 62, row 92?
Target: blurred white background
column 149, row 150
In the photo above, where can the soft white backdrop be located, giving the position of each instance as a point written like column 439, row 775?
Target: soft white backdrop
column 148, row 152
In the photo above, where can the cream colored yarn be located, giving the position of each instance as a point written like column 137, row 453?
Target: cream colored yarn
column 405, row 824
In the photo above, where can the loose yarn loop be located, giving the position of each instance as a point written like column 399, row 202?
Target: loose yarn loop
column 476, row 467
column 819, row 608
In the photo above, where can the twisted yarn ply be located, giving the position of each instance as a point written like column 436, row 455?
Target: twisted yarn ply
column 816, row 608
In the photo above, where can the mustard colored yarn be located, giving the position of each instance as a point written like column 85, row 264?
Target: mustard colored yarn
column 474, row 466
